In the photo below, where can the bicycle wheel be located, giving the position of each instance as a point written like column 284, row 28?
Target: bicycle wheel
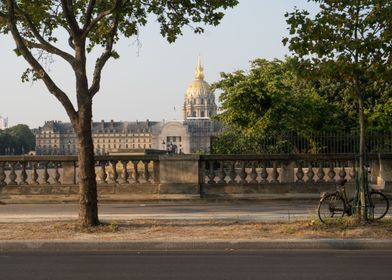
column 331, row 208
column 378, row 206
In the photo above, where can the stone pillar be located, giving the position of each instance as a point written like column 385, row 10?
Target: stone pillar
column 287, row 172
column 179, row 174
column 69, row 173
column 381, row 173
column 385, row 176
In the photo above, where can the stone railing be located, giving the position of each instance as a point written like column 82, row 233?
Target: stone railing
column 240, row 169
column 242, row 174
column 62, row 170
column 189, row 174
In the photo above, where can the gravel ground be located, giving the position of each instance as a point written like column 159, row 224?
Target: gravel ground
column 186, row 230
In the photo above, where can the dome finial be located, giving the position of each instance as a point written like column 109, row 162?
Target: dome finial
column 199, row 70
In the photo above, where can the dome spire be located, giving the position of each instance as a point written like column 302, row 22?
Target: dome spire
column 199, row 70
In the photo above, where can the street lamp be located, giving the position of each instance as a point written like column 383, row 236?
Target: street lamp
column 163, row 145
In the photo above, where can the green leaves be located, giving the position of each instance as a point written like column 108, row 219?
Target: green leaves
column 267, row 101
column 353, row 35
column 16, row 140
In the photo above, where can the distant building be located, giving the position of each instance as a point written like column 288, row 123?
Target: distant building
column 59, row 138
column 191, row 135
column 194, row 133
column 3, row 123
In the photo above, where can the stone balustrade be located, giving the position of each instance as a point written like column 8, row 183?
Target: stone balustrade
column 62, row 170
column 190, row 174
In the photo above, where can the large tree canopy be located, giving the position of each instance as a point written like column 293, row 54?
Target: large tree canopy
column 16, row 140
column 349, row 42
column 35, row 26
column 268, row 101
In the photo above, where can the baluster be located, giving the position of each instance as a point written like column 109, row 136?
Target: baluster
column 351, row 173
column 156, row 170
column 45, row 174
column 264, row 173
column 331, row 172
column 232, row 174
column 114, row 169
column 253, row 174
column 136, row 171
column 342, row 172
column 243, row 174
column 275, row 173
column 56, row 176
column 125, row 174
column 222, row 174
column 34, row 174
column 146, row 172
column 320, row 172
column 300, row 173
column 12, row 175
column 211, row 173
column 310, row 173
column 102, row 174
column 2, row 174
column 23, row 174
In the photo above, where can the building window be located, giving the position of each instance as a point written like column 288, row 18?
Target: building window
column 202, row 114
column 194, row 114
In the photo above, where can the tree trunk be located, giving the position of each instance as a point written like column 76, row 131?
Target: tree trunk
column 88, row 203
column 361, row 169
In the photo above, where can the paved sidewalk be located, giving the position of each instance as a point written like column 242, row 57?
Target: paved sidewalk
column 244, row 211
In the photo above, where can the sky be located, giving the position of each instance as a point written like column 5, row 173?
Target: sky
column 150, row 78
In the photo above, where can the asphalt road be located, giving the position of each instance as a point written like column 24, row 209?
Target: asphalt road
column 253, row 211
column 276, row 264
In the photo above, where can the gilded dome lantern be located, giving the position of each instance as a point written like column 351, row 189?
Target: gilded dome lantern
column 199, row 101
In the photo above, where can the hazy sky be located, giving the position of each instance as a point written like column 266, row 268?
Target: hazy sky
column 150, row 78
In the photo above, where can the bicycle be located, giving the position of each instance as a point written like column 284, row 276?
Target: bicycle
column 334, row 206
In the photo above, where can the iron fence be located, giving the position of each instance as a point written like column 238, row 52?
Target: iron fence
column 331, row 142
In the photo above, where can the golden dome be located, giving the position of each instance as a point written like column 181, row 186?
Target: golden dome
column 198, row 87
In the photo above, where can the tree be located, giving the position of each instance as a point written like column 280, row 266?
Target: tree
column 349, row 42
column 16, row 140
column 267, row 103
column 98, row 25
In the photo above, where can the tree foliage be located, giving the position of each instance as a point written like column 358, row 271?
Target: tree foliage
column 16, row 140
column 267, row 102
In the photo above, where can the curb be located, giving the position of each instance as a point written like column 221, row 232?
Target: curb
column 167, row 246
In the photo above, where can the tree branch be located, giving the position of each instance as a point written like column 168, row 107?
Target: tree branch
column 45, row 45
column 101, row 61
column 52, row 87
column 89, row 12
column 87, row 27
column 70, row 17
